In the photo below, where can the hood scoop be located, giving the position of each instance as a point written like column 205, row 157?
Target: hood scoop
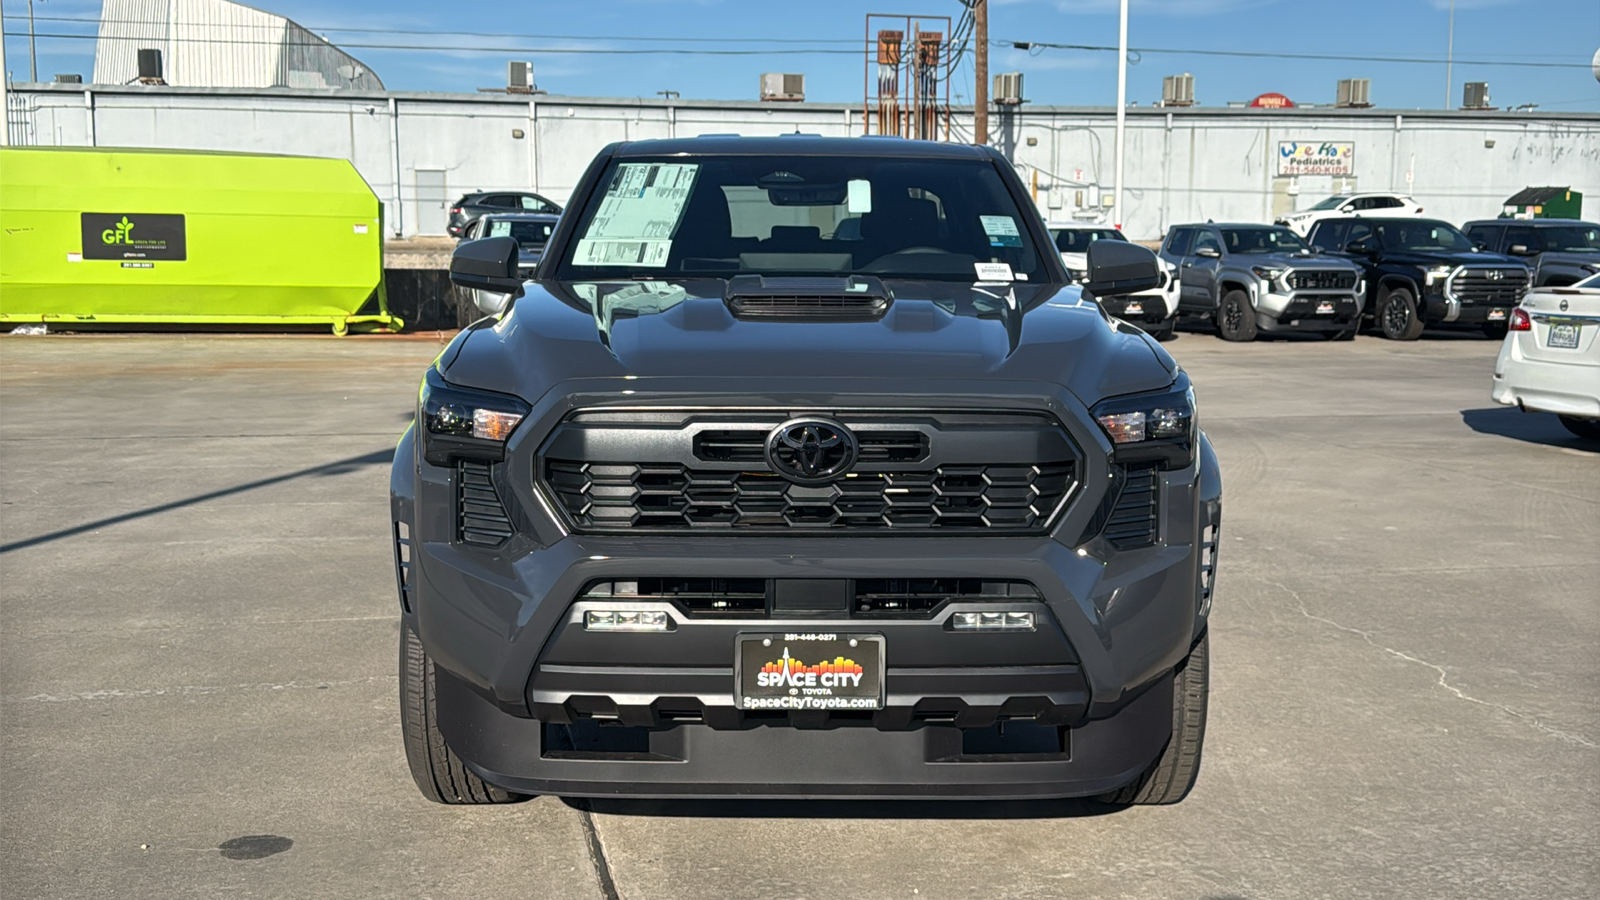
column 809, row 299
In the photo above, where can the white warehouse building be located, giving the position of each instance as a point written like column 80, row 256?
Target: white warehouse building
column 219, row 44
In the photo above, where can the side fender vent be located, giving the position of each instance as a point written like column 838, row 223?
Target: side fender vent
column 481, row 517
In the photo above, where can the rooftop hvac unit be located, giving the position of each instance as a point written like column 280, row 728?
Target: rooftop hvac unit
column 1354, row 92
column 519, row 78
column 783, row 86
column 150, row 66
column 69, row 79
column 1475, row 95
column 1008, row 89
column 1177, row 90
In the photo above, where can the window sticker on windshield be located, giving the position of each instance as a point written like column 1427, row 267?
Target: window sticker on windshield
column 1002, row 231
column 499, row 229
column 993, row 271
column 638, row 216
column 858, row 197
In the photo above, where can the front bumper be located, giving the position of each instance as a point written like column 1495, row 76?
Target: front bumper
column 535, row 705
column 1312, row 311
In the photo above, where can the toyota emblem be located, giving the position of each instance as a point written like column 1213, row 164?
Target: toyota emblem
column 1494, row 274
column 811, row 450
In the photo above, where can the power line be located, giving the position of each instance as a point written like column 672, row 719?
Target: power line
column 1256, row 54
column 435, row 48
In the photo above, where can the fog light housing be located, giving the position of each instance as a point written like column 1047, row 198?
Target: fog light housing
column 626, row 620
column 992, row 621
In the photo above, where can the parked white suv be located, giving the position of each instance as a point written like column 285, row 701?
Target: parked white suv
column 1154, row 310
column 1386, row 205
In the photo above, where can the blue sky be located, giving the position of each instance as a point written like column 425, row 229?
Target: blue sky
column 1486, row 31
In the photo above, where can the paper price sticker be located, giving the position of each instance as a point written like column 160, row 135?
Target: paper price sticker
column 1002, row 231
column 993, row 271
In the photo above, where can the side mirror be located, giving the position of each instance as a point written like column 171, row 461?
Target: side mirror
column 1519, row 250
column 1348, row 207
column 1118, row 267
column 488, row 266
column 1359, row 247
column 1208, row 252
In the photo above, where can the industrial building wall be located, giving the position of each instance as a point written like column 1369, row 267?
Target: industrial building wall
column 1182, row 165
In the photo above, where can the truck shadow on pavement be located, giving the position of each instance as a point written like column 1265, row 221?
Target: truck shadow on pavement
column 1533, row 427
column 847, row 809
column 338, row 467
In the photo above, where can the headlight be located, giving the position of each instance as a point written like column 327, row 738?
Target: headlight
column 460, row 423
column 1269, row 275
column 1152, row 427
column 1438, row 274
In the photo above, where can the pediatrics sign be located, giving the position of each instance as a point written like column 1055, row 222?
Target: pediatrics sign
column 1316, row 158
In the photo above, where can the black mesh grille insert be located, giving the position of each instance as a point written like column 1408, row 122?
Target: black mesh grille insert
column 696, row 596
column 749, row 445
column 1134, row 520
column 666, row 496
column 921, row 596
column 1321, row 280
column 481, row 517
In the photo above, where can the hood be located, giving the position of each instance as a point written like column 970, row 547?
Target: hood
column 934, row 333
column 1469, row 258
column 1294, row 260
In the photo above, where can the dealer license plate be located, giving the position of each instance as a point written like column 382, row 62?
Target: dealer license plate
column 1135, row 309
column 1325, row 308
column 1497, row 315
column 1563, row 337
column 798, row 671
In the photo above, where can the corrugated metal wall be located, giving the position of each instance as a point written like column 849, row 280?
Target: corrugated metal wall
column 215, row 43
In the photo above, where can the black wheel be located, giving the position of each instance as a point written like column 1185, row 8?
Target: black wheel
column 439, row 774
column 1397, row 316
column 1582, row 427
column 1236, row 319
column 1496, row 330
column 1163, row 331
column 1173, row 774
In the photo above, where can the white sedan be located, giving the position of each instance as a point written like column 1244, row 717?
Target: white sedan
column 1550, row 360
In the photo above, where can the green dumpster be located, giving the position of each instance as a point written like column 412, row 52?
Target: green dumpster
column 108, row 237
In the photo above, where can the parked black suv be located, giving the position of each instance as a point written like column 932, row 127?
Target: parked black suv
column 1422, row 272
column 471, row 206
column 1560, row 251
column 801, row 469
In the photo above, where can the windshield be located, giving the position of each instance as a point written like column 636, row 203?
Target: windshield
column 528, row 234
column 1331, row 203
column 1077, row 240
column 1571, row 239
column 721, row 216
column 1262, row 240
column 1422, row 236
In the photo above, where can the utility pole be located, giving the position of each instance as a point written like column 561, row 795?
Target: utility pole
column 1122, row 111
column 980, row 68
column 1450, row 55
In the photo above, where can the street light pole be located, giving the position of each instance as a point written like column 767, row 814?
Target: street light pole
column 1122, row 110
column 33, row 58
column 1450, row 55
column 5, row 88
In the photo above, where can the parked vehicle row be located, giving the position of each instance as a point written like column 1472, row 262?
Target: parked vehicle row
column 1154, row 310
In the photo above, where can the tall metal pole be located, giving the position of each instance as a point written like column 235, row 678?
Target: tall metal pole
column 1122, row 110
column 1450, row 55
column 33, row 58
column 5, row 88
column 980, row 68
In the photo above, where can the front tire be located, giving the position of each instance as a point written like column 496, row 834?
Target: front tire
column 1397, row 316
column 1582, row 427
column 1164, row 331
column 1236, row 319
column 1170, row 778
column 439, row 773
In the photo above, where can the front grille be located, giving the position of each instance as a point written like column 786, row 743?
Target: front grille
column 481, row 517
column 1135, row 519
column 1480, row 287
column 676, row 471
column 602, row 496
column 1321, row 280
column 749, row 445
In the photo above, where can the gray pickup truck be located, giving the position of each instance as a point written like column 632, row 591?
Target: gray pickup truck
column 1252, row 278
